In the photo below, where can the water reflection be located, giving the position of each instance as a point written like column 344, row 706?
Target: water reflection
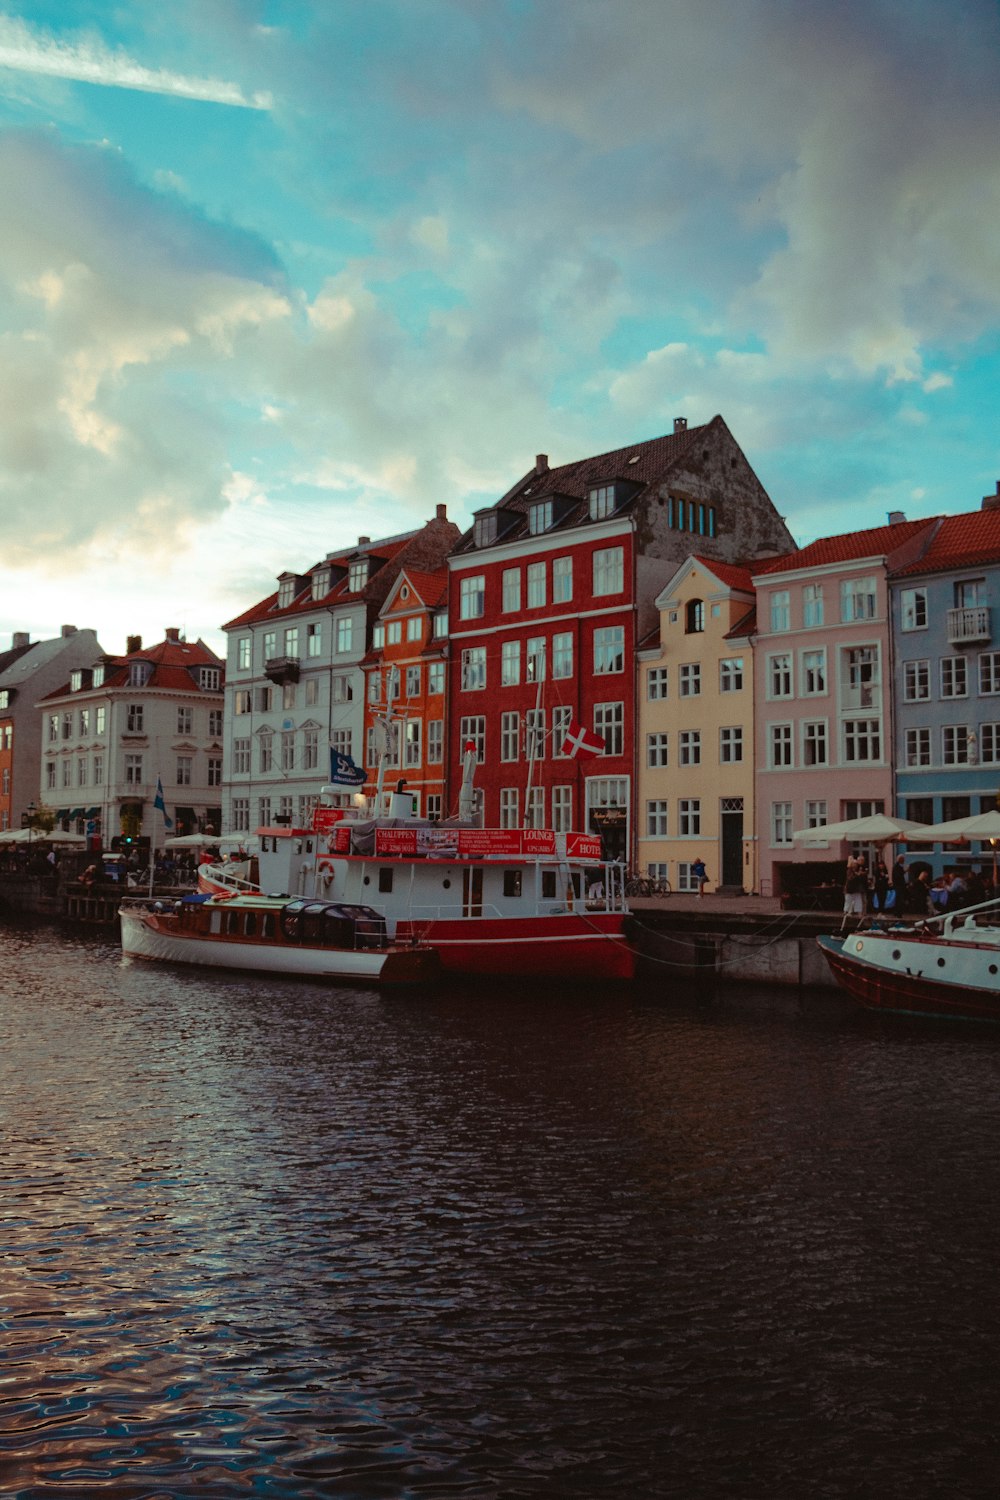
column 264, row 1238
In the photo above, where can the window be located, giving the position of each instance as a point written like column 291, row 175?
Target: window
column 656, row 818
column 99, row 770
column 378, row 636
column 781, row 823
column 510, row 734
column 534, row 817
column 813, row 673
column 50, row 776
column 657, row 747
column 241, row 814
column 656, row 684
column 265, row 751
column 510, row 663
column 340, row 742
column 310, row 749
column 536, row 585
column 67, row 722
column 602, row 502
column 731, row 674
column 970, row 593
column 989, row 672
column 955, row 744
column 812, row 605
column 440, row 623
column 411, row 742
column 916, row 681
column 562, row 580
column 689, row 817
column 561, row 718
column 780, row 609
column 133, row 718
column 320, row 583
column 53, row 729
column 562, row 809
column 214, row 771
column 780, row 745
column 861, row 676
column 473, row 668
column 184, row 718
column 535, row 659
column 243, row 653
column 85, row 724
column 434, row 807
column 816, row 813
column 694, row 617
column 139, row 673
column 609, row 576
column 209, row 678
column 241, row 757
column 509, row 807
column 690, row 679
column 67, row 770
column 215, row 722
column 270, row 644
column 375, row 687
column 609, row 649
column 473, row 728
column 100, row 718
column 413, row 682
column 345, row 634
column 133, row 770
column 472, row 597
column 857, row 599
column 371, row 747
column 184, row 766
column 918, row 747
column 534, row 734
column 609, row 725
column 314, row 640
column 394, row 632
column 435, row 741
column 730, row 744
column 414, row 628
column 862, row 739
column 562, row 655
column 954, row 677
column 779, row 675
column 264, row 696
column 292, row 641
column 689, row 747
column 435, row 677
column 288, row 695
column 511, row 591
column 814, row 743
column 913, row 609
column 288, row 750
column 989, row 744
column 357, row 575
column 392, row 685
column 81, row 771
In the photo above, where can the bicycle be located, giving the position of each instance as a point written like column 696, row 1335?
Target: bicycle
column 645, row 885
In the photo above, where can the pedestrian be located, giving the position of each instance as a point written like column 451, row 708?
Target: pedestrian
column 899, row 885
column 700, row 874
column 855, row 889
column 881, row 884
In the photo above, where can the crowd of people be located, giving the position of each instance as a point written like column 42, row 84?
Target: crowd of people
column 909, row 892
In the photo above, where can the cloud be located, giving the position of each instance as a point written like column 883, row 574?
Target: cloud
column 26, row 49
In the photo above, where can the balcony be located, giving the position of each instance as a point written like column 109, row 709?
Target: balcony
column 968, row 625
column 282, row 669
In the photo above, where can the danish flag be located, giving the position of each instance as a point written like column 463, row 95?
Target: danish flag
column 581, row 742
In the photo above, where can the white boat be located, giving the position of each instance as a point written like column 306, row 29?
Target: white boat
column 944, row 966
column 311, row 939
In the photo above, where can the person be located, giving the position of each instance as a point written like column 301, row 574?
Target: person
column 700, row 874
column 855, row 889
column 89, row 876
column 899, row 884
column 955, row 892
column 880, row 884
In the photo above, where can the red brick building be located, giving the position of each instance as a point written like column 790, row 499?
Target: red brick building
column 550, row 590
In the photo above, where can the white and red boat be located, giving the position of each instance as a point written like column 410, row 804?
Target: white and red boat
column 308, row 938
column 945, row 966
column 488, row 901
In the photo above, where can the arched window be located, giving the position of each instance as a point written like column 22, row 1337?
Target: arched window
column 694, row 617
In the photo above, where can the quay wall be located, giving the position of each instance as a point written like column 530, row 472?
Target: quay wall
column 733, row 948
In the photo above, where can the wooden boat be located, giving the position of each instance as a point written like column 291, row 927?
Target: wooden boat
column 945, row 966
column 314, row 939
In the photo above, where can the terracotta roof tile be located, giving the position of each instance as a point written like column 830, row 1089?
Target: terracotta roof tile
column 733, row 575
column 966, row 541
column 877, row 542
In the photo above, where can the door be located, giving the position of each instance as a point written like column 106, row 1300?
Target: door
column 472, row 891
column 732, row 841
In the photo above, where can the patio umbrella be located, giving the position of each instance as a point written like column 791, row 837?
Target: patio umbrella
column 984, row 825
column 191, row 841
column 876, row 828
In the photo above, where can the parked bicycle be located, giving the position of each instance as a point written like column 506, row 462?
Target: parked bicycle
column 645, row 885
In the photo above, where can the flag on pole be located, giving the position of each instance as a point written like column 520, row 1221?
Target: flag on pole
column 343, row 771
column 161, row 806
column 581, row 742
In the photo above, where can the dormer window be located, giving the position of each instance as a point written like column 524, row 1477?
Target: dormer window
column 357, row 576
column 139, row 673
column 485, row 533
column 378, row 636
column 76, row 681
column 4, row 698
column 286, row 592
column 98, row 678
column 208, row 677
column 321, row 583
column 602, row 502
column 540, row 517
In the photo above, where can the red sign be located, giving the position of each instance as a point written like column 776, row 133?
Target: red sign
column 582, row 846
column 395, row 841
column 342, row 839
column 538, row 841
column 325, row 817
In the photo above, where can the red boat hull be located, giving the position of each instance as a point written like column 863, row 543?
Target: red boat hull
column 909, row 994
column 588, row 947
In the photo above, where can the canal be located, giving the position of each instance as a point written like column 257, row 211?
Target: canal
column 264, row 1239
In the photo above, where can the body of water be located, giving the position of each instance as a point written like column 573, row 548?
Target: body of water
column 262, row 1238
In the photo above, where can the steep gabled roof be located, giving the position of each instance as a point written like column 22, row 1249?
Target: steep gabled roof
column 172, row 661
column 880, row 541
column 970, row 540
column 732, row 575
column 430, row 588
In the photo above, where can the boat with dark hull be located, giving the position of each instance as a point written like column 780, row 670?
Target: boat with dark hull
column 946, row 966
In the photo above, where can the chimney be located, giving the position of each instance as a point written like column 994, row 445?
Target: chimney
column 173, row 633
column 680, row 425
column 442, row 513
column 364, row 541
column 20, row 638
column 133, row 643
column 67, row 631
column 541, row 463
column 897, row 517
column 992, row 502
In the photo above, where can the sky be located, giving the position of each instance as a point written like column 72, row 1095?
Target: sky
column 278, row 273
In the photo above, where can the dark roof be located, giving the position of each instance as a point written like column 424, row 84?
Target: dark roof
column 968, row 541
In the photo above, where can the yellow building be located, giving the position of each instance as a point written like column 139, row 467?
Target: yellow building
column 695, row 742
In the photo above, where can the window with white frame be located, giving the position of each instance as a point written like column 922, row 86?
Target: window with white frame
column 509, row 807
column 689, row 817
column 954, row 677
column 133, row 719
column 989, row 744
column 562, row 655
column 913, row 609
column 534, row 734
column 562, row 717
column 375, row 687
column 816, row 812
column 473, row 668
column 918, row 747
column 779, row 675
column 185, row 720
column 392, row 685
column 473, row 727
column 265, row 750
column 562, row 809
column 656, row 684
column 510, row 663
column 394, row 632
column 440, row 623
column 53, row 721
column 780, row 745
column 242, row 702
column 414, row 629
column 862, row 676
column 689, row 682
column 730, row 744
column 50, row 776
column 243, row 653
column 241, row 814
column 601, row 502
column 99, row 771
column 510, row 590
column 536, row 585
column 472, row 597
column 413, row 682
column 814, row 673
column 345, row 635
column 340, row 742
column 539, row 517
column 862, row 739
column 357, row 575
column 434, row 807
column 689, row 747
column 310, row 749
column 288, row 692
column 781, row 823
column 562, row 580
column 510, row 735
column 857, row 598
column 81, row 772
column 288, row 750
column 215, row 719
column 411, row 742
column 435, row 741
column 534, row 807
column 812, row 605
column 731, row 674
column 609, row 649
column 371, row 746
column 435, row 677
column 535, row 659
column 292, row 641
column 67, row 771
column 989, row 672
column 241, row 756
column 320, row 583
column 269, row 645
column 657, row 750
column 133, row 770
column 815, row 747
column 609, row 571
column 184, row 769
column 609, row 725
column 378, row 635
column 781, row 609
column 955, row 744
column 916, row 681
column 656, row 817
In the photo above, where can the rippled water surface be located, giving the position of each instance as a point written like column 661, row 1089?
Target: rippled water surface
column 264, row 1239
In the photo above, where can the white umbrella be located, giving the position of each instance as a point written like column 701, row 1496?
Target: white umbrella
column 984, row 825
column 191, row 841
column 36, row 836
column 876, row 828
column 57, row 836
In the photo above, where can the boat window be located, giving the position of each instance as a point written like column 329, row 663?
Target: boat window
column 385, row 879
column 549, row 885
column 251, row 924
column 512, row 882
column 267, row 925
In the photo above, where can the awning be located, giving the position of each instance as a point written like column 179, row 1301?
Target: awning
column 76, row 813
column 187, row 814
column 92, row 812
